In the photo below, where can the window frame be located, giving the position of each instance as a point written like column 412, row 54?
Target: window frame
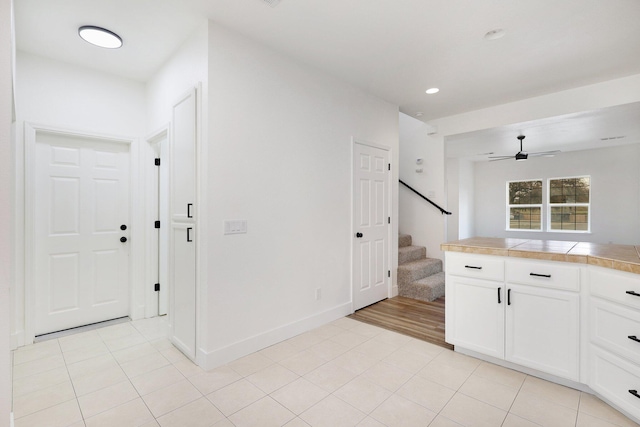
column 587, row 205
column 540, row 206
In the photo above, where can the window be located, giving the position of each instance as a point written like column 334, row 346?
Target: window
column 569, row 203
column 524, row 204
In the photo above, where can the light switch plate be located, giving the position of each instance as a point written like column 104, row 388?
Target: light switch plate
column 237, row 226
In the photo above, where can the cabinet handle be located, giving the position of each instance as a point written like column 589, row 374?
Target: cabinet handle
column 189, row 210
column 633, row 338
column 548, row 276
column 508, row 296
column 635, row 294
column 499, row 291
column 189, row 235
column 472, row 267
column 635, row 393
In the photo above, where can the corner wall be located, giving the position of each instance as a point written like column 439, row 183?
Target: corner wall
column 280, row 157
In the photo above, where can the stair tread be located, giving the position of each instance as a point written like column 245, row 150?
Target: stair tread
column 419, row 263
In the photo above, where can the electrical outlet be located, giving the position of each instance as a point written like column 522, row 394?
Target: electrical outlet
column 318, row 293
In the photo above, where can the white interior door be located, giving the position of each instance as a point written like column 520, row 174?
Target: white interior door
column 371, row 225
column 184, row 291
column 81, row 202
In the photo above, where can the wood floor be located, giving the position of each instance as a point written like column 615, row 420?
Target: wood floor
column 418, row 319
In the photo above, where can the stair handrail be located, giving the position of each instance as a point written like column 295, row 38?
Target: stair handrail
column 442, row 211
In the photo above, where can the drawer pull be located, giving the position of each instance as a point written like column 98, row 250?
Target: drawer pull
column 635, row 393
column 635, row 294
column 472, row 267
column 548, row 276
column 633, row 338
column 499, row 301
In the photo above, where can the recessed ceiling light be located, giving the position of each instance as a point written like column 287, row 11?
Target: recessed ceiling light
column 433, row 90
column 419, row 114
column 495, row 34
column 100, row 37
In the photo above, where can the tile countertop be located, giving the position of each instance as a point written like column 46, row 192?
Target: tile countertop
column 618, row 257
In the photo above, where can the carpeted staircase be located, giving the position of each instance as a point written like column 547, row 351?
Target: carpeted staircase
column 419, row 277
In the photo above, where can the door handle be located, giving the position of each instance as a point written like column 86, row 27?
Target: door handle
column 359, row 235
column 635, row 294
column 189, row 235
column 189, row 210
column 635, row 393
column 123, row 239
column 508, row 296
column 633, row 338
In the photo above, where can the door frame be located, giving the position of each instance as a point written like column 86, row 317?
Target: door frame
column 389, row 280
column 152, row 213
column 136, row 214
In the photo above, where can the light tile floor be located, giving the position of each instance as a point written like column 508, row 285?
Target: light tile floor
column 345, row 373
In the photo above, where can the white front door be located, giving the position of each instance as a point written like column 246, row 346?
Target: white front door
column 371, row 225
column 81, row 205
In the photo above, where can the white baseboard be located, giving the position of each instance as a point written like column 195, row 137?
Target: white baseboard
column 11, row 420
column 394, row 291
column 213, row 359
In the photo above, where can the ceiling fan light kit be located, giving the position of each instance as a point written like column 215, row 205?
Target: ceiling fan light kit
column 523, row 155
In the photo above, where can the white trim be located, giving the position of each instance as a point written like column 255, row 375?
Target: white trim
column 213, row 359
column 392, row 290
column 555, row 205
column 136, row 215
column 531, row 205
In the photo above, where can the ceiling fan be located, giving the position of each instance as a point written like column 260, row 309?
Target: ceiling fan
column 523, row 155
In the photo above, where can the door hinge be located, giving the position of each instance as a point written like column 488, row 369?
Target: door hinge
column 157, row 161
column 389, row 166
column 388, row 273
column 156, row 224
column 156, row 287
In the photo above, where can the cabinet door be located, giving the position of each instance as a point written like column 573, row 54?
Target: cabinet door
column 476, row 317
column 542, row 330
column 183, row 158
column 183, row 284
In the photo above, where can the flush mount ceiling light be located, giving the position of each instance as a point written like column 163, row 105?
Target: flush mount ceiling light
column 419, row 114
column 433, row 90
column 494, row 34
column 101, row 37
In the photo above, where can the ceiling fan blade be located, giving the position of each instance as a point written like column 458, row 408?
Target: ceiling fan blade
column 544, row 153
column 502, row 158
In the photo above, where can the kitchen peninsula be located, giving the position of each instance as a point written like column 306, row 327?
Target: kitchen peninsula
column 565, row 311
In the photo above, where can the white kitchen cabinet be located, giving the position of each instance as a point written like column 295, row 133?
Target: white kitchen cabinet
column 614, row 333
column 476, row 315
column 533, row 326
column 542, row 330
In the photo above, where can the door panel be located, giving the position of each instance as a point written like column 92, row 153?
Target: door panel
column 81, row 199
column 183, row 317
column 371, row 192
column 183, row 155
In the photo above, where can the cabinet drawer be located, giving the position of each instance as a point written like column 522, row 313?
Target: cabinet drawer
column 617, row 286
column 544, row 274
column 478, row 266
column 615, row 328
column 614, row 378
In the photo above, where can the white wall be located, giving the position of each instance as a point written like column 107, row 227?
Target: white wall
column 615, row 193
column 460, row 198
column 61, row 95
column 416, row 215
column 6, row 203
column 280, row 157
column 586, row 98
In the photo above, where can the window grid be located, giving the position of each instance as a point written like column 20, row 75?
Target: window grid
column 569, row 200
column 524, row 205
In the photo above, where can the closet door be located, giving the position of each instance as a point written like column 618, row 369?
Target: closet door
column 184, row 290
column 182, row 257
column 183, row 156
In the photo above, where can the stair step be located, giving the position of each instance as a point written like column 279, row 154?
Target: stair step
column 411, row 253
column 404, row 240
column 426, row 289
column 416, row 270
